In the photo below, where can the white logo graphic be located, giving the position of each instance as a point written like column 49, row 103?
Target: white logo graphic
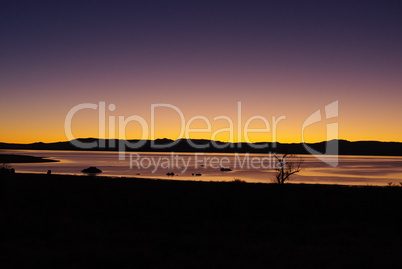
column 330, row 156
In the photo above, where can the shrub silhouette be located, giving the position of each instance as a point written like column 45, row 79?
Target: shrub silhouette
column 6, row 169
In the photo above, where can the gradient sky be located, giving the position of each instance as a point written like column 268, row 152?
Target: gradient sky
column 277, row 58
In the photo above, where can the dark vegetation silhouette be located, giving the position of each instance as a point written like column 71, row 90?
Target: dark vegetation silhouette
column 6, row 169
column 286, row 166
column 80, row 222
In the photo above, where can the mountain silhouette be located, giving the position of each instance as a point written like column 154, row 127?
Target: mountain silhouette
column 204, row 145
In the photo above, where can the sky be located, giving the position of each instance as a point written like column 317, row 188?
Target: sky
column 204, row 59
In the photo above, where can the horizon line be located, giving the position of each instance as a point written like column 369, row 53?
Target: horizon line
column 201, row 139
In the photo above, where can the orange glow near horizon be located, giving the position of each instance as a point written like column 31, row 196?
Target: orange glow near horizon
column 168, row 125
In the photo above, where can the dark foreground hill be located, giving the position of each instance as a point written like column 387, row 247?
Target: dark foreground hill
column 90, row 222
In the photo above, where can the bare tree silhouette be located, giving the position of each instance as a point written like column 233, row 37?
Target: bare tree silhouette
column 287, row 165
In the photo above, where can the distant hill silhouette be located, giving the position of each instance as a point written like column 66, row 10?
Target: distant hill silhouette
column 186, row 145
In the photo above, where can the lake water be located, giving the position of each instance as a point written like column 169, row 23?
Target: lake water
column 351, row 170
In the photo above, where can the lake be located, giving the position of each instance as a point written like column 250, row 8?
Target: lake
column 351, row 170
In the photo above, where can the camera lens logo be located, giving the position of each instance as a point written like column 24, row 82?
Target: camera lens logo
column 330, row 156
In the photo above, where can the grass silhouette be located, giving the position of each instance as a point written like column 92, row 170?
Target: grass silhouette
column 81, row 222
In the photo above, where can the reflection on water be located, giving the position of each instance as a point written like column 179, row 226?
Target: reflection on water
column 352, row 170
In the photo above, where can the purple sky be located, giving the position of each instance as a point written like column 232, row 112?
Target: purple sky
column 278, row 58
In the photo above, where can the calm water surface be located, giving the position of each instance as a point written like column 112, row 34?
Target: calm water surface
column 351, row 170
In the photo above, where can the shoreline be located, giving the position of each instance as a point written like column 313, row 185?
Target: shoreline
column 237, row 181
column 13, row 158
